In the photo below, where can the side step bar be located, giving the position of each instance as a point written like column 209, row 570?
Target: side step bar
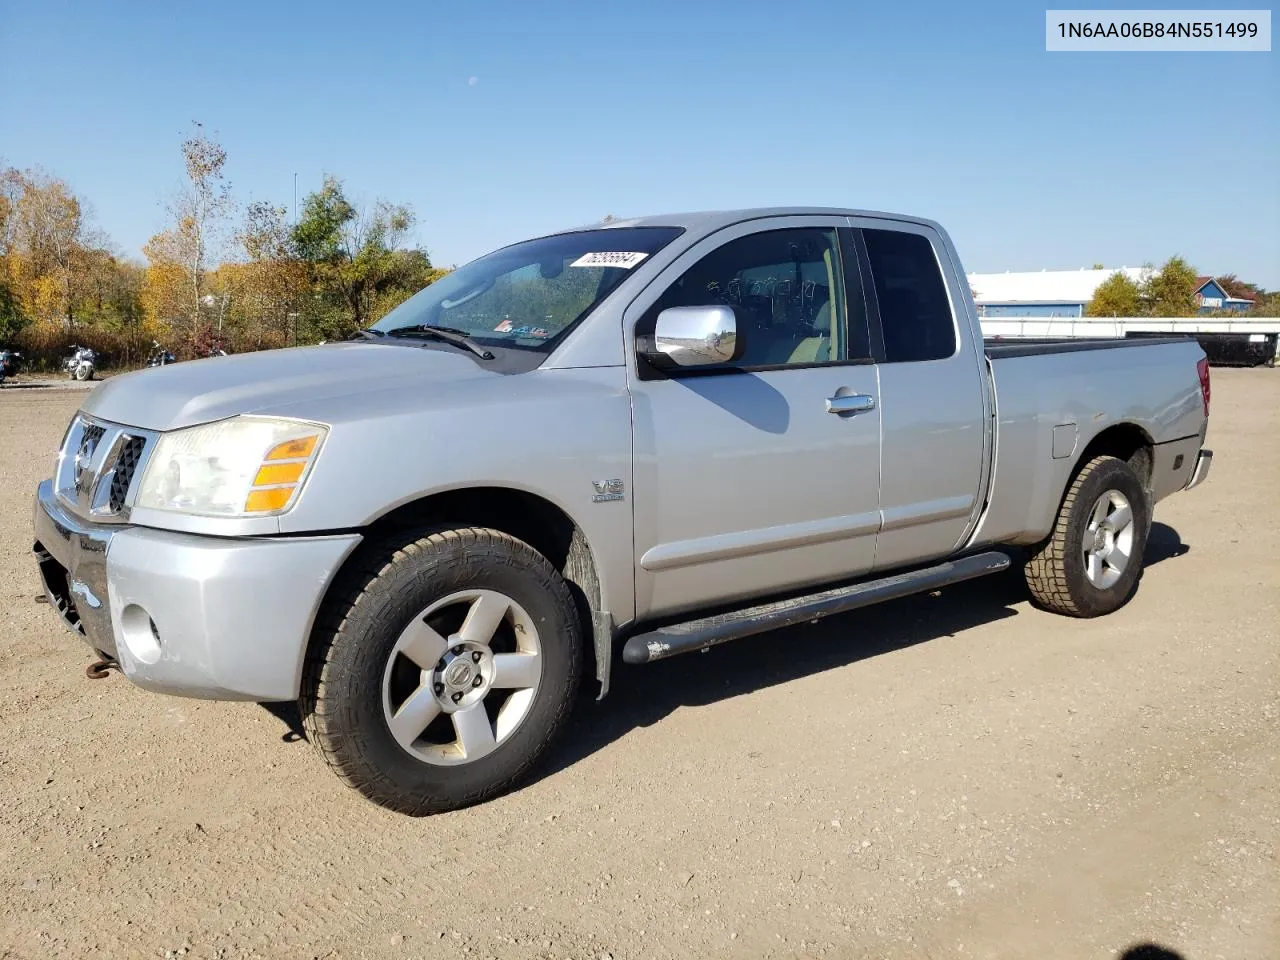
column 721, row 628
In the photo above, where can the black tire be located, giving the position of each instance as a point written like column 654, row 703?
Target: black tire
column 341, row 698
column 1056, row 572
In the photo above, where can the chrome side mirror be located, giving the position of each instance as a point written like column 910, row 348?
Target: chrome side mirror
column 696, row 336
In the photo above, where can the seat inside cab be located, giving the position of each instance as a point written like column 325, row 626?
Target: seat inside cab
column 795, row 323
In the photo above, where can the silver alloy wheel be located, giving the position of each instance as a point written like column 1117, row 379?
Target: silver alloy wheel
column 457, row 673
column 1108, row 539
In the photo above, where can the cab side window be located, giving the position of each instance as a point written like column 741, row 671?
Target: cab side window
column 786, row 288
column 915, row 312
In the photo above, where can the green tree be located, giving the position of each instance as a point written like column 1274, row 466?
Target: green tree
column 1116, row 296
column 355, row 267
column 1172, row 291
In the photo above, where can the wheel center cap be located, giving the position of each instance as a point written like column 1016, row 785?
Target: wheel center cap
column 459, row 673
column 1099, row 541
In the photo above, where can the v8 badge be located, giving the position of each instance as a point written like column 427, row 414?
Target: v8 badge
column 606, row 490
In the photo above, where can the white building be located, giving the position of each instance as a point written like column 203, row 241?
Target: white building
column 1041, row 293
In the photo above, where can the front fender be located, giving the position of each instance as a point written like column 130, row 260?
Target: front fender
column 551, row 433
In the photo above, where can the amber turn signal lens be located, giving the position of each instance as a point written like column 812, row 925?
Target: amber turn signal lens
column 264, row 501
column 292, row 449
column 273, row 473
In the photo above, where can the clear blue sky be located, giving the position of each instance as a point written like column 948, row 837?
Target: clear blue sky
column 953, row 111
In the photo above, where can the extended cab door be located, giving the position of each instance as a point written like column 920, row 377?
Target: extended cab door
column 933, row 397
column 744, row 482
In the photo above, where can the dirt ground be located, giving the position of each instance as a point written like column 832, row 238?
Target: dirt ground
column 952, row 776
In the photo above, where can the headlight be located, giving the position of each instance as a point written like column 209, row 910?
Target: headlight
column 242, row 467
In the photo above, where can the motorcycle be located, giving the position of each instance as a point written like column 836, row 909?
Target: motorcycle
column 160, row 357
column 82, row 364
column 9, row 361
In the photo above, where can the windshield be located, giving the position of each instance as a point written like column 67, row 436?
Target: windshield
column 528, row 295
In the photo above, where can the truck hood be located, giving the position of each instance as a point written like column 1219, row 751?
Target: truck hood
column 198, row 391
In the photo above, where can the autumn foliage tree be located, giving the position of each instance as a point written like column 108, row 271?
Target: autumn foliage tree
column 58, row 276
column 265, row 283
column 179, row 257
column 262, row 289
column 44, row 232
column 1235, row 287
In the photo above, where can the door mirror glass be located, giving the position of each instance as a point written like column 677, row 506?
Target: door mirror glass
column 697, row 336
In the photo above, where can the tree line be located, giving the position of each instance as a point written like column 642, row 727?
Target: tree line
column 248, row 278
column 242, row 276
column 1171, row 292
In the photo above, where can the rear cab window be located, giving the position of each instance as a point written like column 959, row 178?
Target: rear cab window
column 915, row 311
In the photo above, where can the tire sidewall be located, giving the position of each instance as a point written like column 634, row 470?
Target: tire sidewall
column 1110, row 474
column 354, row 674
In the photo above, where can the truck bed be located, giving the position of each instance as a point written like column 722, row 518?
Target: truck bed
column 1051, row 402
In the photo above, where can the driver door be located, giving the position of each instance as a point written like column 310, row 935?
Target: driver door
column 744, row 483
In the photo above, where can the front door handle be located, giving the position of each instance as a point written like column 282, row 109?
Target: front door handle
column 851, row 403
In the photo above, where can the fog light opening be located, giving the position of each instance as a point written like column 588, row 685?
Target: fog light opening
column 141, row 635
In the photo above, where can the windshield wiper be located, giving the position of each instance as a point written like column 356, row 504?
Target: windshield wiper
column 367, row 335
column 451, row 335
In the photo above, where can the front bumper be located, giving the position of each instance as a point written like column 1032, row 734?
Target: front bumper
column 194, row 616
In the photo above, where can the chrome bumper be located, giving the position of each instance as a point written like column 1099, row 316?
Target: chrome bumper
column 1200, row 473
column 221, row 619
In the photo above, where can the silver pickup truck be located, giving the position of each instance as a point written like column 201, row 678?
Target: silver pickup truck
column 641, row 438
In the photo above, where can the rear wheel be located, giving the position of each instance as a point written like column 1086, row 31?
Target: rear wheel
column 444, row 672
column 1091, row 563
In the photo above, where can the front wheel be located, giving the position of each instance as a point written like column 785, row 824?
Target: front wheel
column 1091, row 563
column 444, row 671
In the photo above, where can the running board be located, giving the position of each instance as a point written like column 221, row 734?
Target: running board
column 721, row 628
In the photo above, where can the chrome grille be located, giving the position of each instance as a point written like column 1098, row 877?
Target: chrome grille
column 97, row 466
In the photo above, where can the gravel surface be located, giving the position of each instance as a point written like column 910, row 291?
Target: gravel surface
column 949, row 776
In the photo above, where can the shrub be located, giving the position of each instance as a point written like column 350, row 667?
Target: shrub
column 45, row 345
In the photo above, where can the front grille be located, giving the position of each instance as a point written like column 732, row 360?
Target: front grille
column 126, row 465
column 97, row 466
